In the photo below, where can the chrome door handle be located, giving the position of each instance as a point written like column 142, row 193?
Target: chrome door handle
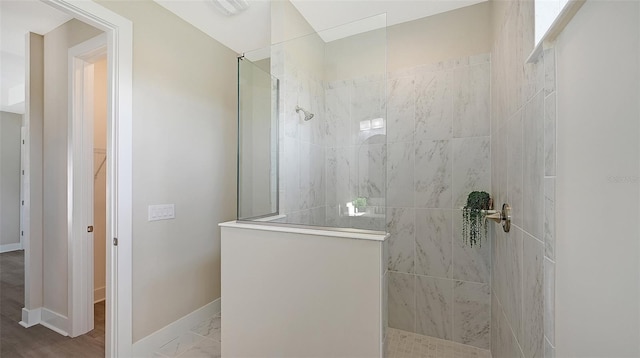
column 90, row 228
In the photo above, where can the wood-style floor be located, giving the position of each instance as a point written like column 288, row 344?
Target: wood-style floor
column 37, row 341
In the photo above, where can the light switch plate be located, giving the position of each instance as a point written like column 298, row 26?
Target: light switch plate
column 162, row 212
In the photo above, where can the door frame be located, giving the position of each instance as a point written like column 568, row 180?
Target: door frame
column 80, row 183
column 119, row 39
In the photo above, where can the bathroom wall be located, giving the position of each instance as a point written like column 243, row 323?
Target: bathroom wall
column 184, row 124
column 523, row 175
column 10, row 124
column 598, row 166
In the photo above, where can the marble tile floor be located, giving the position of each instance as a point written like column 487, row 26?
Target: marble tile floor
column 203, row 341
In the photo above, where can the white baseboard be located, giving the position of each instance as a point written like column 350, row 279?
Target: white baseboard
column 30, row 317
column 10, row 247
column 54, row 321
column 99, row 294
column 151, row 343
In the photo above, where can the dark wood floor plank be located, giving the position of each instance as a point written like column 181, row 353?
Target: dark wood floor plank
column 38, row 341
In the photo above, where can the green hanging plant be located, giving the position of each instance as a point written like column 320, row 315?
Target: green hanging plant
column 474, row 225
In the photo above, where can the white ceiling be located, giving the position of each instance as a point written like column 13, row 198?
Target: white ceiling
column 244, row 32
column 17, row 18
column 250, row 30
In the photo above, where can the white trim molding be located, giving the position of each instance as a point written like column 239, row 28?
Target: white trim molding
column 119, row 30
column 10, row 247
column 54, row 321
column 30, row 317
column 150, row 344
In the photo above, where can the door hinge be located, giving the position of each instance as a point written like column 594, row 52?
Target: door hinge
column 23, row 202
column 115, row 241
column 22, row 233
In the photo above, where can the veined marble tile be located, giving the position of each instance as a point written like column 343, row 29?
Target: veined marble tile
column 433, row 113
column 433, row 174
column 550, row 218
column 498, row 265
column 507, row 345
column 341, row 175
column 366, row 222
column 338, row 116
column 549, row 70
column 532, row 339
column 499, row 167
column 312, row 175
column 512, row 291
column 180, row 344
column 471, row 95
column 434, row 307
column 470, row 263
column 400, row 172
column 471, row 167
column 434, row 249
column 371, row 171
column 549, row 350
column 331, row 168
column 400, row 110
column 549, row 300
column 367, row 103
column 533, row 169
column 402, row 304
column 471, row 314
column 496, row 311
column 336, row 216
column 211, row 328
column 204, row 349
column 550, row 135
column 290, row 176
column 318, row 216
column 401, row 226
column 515, row 169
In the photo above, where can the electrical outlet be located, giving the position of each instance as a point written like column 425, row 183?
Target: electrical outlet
column 162, row 212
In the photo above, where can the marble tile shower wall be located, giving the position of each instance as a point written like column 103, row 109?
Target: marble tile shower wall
column 523, row 174
column 438, row 150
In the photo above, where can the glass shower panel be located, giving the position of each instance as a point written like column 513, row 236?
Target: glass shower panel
column 331, row 128
column 355, row 95
column 257, row 141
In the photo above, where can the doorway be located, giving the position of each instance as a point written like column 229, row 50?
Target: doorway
column 118, row 323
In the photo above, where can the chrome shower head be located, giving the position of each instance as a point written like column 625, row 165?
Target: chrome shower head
column 307, row 115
